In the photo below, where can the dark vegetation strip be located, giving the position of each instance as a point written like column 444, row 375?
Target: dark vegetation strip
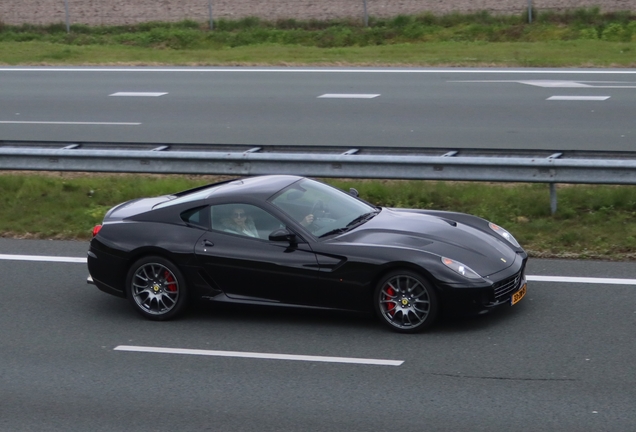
column 582, row 24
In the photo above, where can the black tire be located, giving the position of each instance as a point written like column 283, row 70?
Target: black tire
column 156, row 288
column 405, row 301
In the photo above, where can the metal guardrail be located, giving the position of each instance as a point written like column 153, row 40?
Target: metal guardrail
column 381, row 163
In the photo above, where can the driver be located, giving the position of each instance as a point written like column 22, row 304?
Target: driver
column 308, row 220
column 317, row 213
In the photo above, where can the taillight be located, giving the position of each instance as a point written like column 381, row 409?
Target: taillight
column 96, row 229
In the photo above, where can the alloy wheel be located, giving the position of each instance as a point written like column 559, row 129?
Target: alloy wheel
column 155, row 288
column 405, row 302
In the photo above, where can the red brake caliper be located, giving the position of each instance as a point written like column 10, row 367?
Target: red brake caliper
column 390, row 307
column 172, row 287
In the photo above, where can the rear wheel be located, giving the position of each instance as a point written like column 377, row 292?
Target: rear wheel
column 405, row 302
column 156, row 288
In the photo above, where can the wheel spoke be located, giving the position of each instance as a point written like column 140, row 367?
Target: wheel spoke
column 418, row 317
column 148, row 276
column 422, row 311
column 406, row 318
column 161, row 304
column 414, row 286
column 388, row 287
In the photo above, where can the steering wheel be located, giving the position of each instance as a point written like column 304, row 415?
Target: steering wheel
column 318, row 205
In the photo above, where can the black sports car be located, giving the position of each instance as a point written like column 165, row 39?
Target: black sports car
column 292, row 241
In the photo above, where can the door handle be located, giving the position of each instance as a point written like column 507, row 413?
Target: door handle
column 207, row 242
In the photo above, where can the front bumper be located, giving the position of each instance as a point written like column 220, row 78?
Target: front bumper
column 481, row 300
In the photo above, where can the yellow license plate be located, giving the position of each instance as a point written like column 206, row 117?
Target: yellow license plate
column 518, row 295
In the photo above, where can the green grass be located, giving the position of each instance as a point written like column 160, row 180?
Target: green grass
column 537, row 54
column 591, row 221
column 580, row 38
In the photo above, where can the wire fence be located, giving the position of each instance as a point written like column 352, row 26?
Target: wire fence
column 122, row 12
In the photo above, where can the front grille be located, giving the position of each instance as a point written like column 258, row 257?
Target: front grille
column 507, row 286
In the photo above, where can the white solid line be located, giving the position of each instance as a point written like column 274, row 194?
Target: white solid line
column 42, row 258
column 608, row 281
column 348, row 96
column 71, row 123
column 578, row 98
column 319, row 70
column 260, row 355
column 142, row 94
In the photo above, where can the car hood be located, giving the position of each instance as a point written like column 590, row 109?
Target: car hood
column 480, row 251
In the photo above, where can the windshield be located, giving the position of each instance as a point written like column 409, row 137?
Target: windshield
column 322, row 209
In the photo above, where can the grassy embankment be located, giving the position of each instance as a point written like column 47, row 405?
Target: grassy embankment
column 592, row 222
column 581, row 38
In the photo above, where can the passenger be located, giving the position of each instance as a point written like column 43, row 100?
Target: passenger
column 240, row 223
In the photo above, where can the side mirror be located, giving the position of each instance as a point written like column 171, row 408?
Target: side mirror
column 353, row 192
column 282, row 235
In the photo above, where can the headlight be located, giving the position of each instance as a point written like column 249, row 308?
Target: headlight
column 460, row 268
column 505, row 234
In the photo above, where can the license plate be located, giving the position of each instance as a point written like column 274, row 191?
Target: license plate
column 518, row 295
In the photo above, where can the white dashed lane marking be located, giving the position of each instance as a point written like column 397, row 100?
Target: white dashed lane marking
column 256, row 355
column 138, row 94
column 578, row 98
column 71, row 123
column 347, row 96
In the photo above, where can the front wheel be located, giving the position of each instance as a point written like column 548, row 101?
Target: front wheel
column 156, row 288
column 405, row 302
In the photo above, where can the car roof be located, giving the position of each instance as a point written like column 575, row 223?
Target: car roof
column 260, row 187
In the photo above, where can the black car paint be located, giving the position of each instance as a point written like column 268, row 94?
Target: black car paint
column 338, row 271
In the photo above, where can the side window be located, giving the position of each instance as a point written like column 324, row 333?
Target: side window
column 197, row 217
column 243, row 219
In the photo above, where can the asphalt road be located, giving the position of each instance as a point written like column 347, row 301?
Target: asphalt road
column 561, row 360
column 447, row 108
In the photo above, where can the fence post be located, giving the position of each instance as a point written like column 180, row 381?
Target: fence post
column 366, row 16
column 210, row 13
column 68, row 24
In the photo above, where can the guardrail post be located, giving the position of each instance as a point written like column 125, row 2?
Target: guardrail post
column 553, row 199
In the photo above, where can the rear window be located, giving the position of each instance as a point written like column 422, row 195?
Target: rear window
column 194, row 196
column 198, row 216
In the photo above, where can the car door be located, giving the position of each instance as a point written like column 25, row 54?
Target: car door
column 253, row 268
